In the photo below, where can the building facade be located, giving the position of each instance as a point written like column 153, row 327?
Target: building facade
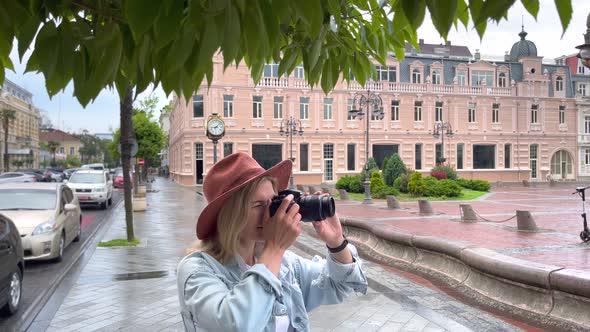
column 23, row 131
column 69, row 145
column 511, row 120
column 581, row 85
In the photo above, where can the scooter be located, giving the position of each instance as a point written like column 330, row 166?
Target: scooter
column 585, row 234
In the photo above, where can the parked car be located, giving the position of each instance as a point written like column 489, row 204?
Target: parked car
column 47, row 216
column 9, row 177
column 96, row 166
column 38, row 176
column 56, row 176
column 68, row 172
column 92, row 187
column 118, row 178
column 12, row 267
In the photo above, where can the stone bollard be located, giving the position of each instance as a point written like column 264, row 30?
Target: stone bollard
column 139, row 204
column 425, row 207
column 300, row 187
column 312, row 189
column 343, row 194
column 526, row 183
column 392, row 202
column 325, row 190
column 525, row 221
column 467, row 213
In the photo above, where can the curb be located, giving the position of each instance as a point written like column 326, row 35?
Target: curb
column 37, row 305
column 552, row 295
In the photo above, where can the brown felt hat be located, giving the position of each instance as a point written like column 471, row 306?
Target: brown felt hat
column 229, row 175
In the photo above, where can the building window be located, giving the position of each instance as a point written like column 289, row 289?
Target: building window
column 587, row 157
column 438, row 154
column 350, row 157
column 349, row 105
column 416, row 76
column 460, row 156
column 484, row 156
column 327, row 108
column 199, row 151
column 559, row 83
column 417, row 111
column 471, row 113
column 478, row 77
column 299, row 72
column 271, row 70
column 388, row 74
column 267, row 155
column 534, row 113
column 198, row 106
column 418, row 156
column 561, row 114
column 461, row 77
column 395, row 110
column 582, row 89
column 533, row 160
column 72, row 151
column 199, row 163
column 304, row 108
column 328, row 162
column 228, row 106
column 278, row 108
column 228, row 148
column 436, row 77
column 303, row 157
column 587, row 124
column 495, row 113
column 438, row 111
column 62, row 150
column 502, row 80
column 580, row 68
column 506, row 155
column 257, row 107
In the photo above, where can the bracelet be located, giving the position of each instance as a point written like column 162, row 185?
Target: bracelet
column 340, row 247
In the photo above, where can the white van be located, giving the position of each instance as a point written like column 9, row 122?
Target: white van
column 97, row 166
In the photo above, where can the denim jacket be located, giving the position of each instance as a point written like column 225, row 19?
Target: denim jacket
column 220, row 297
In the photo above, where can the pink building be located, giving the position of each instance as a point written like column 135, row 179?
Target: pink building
column 512, row 120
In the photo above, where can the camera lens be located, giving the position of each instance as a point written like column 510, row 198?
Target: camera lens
column 316, row 208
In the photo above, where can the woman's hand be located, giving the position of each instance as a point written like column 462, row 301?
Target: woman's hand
column 329, row 230
column 282, row 229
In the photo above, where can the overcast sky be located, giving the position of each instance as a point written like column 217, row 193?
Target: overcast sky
column 103, row 115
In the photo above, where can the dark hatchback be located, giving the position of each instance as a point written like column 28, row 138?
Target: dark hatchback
column 12, row 266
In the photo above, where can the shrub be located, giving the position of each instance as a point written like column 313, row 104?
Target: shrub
column 344, row 182
column 384, row 164
column 385, row 190
column 356, row 185
column 431, row 186
column 372, row 167
column 395, row 168
column 479, row 185
column 448, row 188
column 401, row 183
column 376, row 182
column 439, row 175
column 448, row 170
column 416, row 186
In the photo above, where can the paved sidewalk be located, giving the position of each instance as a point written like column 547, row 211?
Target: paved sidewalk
column 134, row 289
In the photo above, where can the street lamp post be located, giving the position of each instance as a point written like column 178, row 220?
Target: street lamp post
column 290, row 127
column 442, row 129
column 584, row 54
column 373, row 104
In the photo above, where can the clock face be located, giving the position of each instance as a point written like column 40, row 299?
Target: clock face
column 216, row 127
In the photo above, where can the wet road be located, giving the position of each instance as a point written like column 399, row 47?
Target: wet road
column 39, row 276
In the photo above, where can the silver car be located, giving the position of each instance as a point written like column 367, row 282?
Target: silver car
column 47, row 215
column 10, row 177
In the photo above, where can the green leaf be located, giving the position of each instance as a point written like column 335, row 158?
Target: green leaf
column 311, row 12
column 442, row 13
column 532, row 6
column 327, row 83
column 166, row 25
column 178, row 52
column 495, row 9
column 564, row 8
column 316, row 48
column 141, row 15
column 232, row 34
column 463, row 12
column 414, row 10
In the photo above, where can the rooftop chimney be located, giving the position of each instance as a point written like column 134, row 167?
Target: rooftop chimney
column 507, row 56
column 448, row 43
column 420, row 41
column 477, row 55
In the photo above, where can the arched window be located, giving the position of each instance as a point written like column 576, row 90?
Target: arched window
column 502, row 80
column 435, row 77
column 559, row 83
column 416, row 77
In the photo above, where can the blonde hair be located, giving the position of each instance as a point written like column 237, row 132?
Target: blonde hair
column 231, row 220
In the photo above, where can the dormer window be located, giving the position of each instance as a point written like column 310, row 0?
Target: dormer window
column 416, row 76
column 478, row 77
column 436, row 77
column 388, row 74
column 502, row 80
column 559, row 83
column 271, row 70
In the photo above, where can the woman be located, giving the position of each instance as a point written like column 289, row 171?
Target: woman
column 242, row 277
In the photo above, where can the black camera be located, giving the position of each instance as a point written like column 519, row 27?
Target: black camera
column 311, row 207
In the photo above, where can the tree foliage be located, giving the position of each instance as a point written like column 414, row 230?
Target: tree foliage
column 394, row 168
column 113, row 43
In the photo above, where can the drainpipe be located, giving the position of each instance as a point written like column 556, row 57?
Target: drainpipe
column 518, row 141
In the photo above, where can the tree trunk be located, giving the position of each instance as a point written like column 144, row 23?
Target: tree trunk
column 126, row 141
column 5, row 124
